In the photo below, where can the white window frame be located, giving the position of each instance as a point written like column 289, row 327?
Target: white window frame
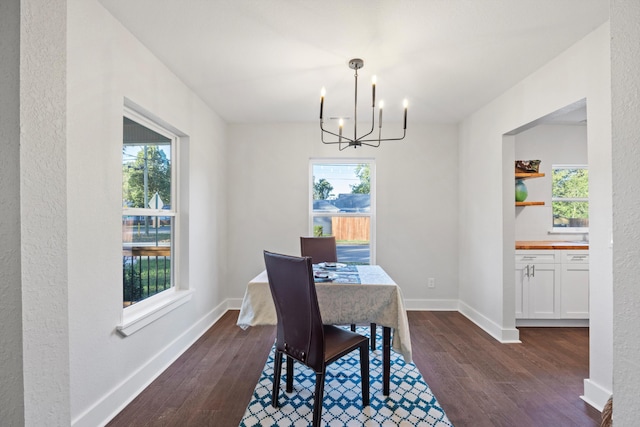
column 145, row 312
column 372, row 194
column 567, row 230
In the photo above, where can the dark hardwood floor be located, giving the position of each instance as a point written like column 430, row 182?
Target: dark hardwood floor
column 478, row 381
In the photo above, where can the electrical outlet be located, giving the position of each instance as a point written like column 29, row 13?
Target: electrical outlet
column 431, row 283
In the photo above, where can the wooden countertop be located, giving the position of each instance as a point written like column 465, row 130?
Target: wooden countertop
column 551, row 244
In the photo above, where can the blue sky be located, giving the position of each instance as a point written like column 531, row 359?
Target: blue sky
column 341, row 176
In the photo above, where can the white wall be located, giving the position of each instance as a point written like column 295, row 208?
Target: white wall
column 416, row 203
column 11, row 380
column 625, row 51
column 552, row 144
column 487, row 217
column 106, row 64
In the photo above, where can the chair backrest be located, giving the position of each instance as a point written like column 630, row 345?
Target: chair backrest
column 320, row 249
column 299, row 331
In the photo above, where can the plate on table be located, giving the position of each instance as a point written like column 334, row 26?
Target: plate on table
column 323, row 276
column 332, row 265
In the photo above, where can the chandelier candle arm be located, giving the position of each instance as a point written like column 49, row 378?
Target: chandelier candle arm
column 357, row 141
column 373, row 87
column 355, row 104
column 406, row 105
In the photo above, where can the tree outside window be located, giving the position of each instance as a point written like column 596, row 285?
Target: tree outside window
column 570, row 196
column 152, row 161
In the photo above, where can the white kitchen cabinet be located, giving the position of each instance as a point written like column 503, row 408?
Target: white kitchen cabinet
column 537, row 285
column 552, row 284
column 574, row 300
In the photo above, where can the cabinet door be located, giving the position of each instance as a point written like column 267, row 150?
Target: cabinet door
column 521, row 290
column 574, row 303
column 544, row 295
column 537, row 285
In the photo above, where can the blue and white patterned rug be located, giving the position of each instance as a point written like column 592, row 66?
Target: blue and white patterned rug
column 410, row 402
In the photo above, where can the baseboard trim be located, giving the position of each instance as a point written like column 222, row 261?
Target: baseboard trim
column 595, row 395
column 503, row 335
column 553, row 323
column 105, row 409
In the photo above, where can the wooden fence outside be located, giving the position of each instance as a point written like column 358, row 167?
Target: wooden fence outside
column 351, row 228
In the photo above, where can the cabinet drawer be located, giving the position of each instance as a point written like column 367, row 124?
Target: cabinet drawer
column 535, row 257
column 581, row 257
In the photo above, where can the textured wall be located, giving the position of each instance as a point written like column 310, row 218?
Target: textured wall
column 625, row 63
column 43, row 187
column 11, row 386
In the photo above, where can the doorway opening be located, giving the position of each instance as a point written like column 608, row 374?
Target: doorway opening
column 550, row 222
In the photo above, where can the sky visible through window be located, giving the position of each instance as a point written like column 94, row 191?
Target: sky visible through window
column 342, row 177
column 130, row 152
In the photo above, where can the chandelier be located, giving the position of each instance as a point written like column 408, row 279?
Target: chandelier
column 357, row 141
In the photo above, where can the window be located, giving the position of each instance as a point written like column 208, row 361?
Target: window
column 570, row 197
column 342, row 204
column 149, row 209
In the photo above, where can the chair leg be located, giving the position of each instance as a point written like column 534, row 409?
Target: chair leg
column 353, row 327
column 386, row 359
column 318, row 397
column 364, row 373
column 289, row 374
column 373, row 337
column 277, row 371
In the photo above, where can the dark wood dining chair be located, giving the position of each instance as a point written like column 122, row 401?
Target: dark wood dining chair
column 300, row 334
column 324, row 249
column 320, row 249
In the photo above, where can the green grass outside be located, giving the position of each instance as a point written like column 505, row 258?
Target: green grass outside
column 352, row 242
column 139, row 279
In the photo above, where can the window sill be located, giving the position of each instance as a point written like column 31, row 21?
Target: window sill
column 146, row 312
column 568, row 230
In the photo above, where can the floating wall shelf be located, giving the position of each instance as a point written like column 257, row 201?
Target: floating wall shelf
column 529, row 203
column 521, row 175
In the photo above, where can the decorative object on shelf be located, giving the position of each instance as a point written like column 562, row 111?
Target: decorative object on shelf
column 521, row 191
column 357, row 141
column 527, row 166
column 520, row 177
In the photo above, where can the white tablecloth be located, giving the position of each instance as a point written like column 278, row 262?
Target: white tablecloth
column 377, row 299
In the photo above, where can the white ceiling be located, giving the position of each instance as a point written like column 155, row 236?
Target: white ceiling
column 258, row 61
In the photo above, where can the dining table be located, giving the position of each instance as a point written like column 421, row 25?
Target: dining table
column 347, row 295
